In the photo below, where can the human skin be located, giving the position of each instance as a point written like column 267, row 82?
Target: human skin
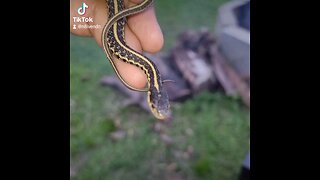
column 142, row 33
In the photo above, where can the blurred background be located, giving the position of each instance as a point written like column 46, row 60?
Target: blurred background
column 206, row 51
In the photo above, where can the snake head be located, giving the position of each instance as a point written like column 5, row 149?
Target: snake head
column 159, row 104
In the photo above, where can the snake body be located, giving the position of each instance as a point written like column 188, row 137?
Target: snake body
column 113, row 40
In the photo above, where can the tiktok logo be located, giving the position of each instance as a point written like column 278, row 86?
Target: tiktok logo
column 84, row 22
column 82, row 9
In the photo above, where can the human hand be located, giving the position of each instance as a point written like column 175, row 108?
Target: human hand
column 142, row 33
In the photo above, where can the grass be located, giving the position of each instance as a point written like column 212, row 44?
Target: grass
column 176, row 16
column 210, row 132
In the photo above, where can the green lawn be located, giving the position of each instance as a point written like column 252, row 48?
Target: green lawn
column 210, row 132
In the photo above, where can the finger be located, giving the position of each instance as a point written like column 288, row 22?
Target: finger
column 133, row 75
column 147, row 29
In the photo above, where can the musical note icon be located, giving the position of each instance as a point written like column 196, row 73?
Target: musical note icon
column 82, row 9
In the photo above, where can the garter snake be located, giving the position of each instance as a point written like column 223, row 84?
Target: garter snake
column 113, row 40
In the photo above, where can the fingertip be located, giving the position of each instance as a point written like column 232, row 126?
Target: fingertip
column 146, row 27
column 131, row 74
